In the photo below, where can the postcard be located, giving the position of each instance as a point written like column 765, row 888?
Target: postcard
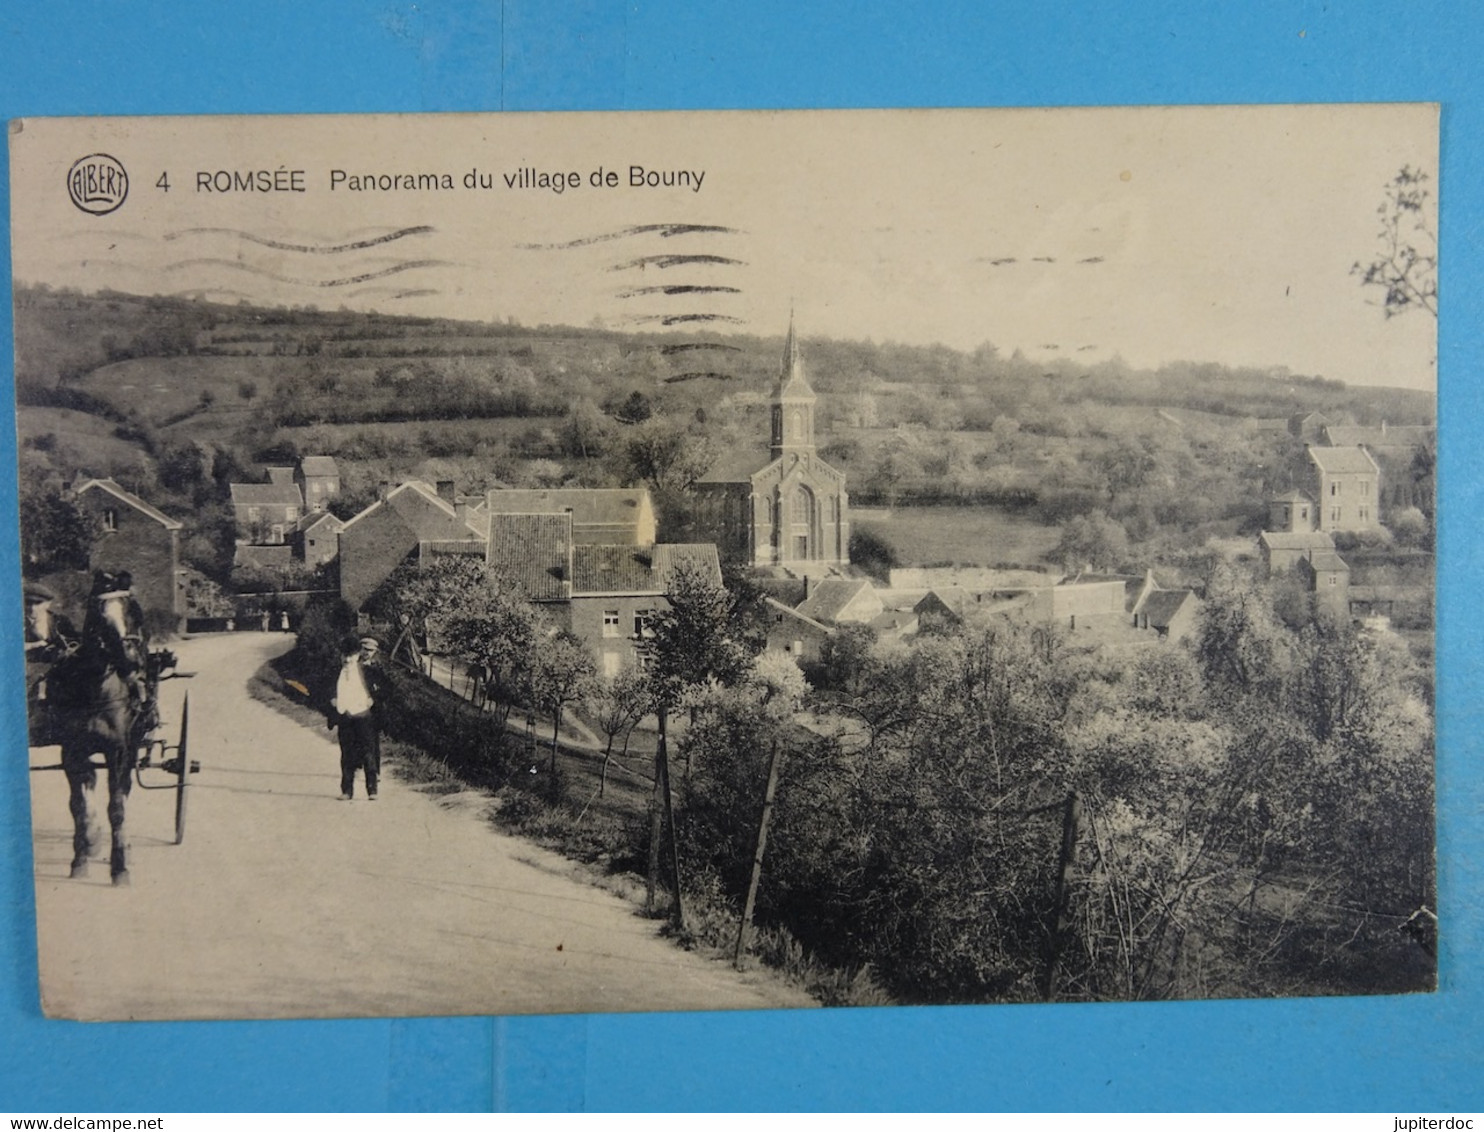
column 551, row 563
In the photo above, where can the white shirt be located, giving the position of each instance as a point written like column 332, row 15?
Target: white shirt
column 352, row 697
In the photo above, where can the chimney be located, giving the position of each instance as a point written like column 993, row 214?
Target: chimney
column 806, row 587
column 445, row 491
column 383, row 489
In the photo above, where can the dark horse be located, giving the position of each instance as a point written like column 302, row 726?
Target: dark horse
column 101, row 705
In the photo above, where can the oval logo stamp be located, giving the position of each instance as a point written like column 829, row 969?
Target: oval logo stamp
column 97, row 183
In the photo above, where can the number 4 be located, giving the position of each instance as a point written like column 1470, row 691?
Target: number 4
column 163, row 182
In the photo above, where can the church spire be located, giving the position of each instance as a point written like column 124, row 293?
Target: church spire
column 793, row 401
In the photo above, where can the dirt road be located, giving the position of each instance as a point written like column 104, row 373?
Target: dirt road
column 286, row 902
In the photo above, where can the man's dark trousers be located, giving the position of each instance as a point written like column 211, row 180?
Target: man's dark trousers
column 360, row 749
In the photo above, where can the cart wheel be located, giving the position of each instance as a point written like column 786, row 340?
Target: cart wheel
column 182, row 773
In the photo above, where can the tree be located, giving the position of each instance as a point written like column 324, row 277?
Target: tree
column 1406, row 267
column 56, row 534
column 705, row 635
column 562, row 673
column 1092, row 540
column 617, row 706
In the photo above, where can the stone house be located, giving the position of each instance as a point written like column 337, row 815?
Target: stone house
column 1170, row 613
column 316, row 538
column 795, row 633
column 1347, row 489
column 318, row 480
column 1328, row 578
column 1283, row 550
column 265, row 513
column 393, row 530
column 141, row 539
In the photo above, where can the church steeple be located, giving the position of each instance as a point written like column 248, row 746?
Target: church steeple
column 793, row 401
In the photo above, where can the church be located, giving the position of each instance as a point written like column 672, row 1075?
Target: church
column 792, row 511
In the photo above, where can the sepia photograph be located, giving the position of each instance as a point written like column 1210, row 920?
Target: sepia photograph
column 570, row 563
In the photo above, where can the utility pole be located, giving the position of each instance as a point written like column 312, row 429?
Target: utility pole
column 663, row 761
column 1071, row 819
column 744, row 928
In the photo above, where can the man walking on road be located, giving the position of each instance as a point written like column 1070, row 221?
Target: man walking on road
column 360, row 690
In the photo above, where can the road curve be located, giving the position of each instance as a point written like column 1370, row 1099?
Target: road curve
column 286, row 902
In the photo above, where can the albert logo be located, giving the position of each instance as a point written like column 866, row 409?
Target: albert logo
column 97, row 183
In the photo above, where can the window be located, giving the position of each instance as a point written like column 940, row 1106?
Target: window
column 1365, row 487
column 110, row 519
column 254, row 514
column 798, row 648
column 1364, row 513
column 610, row 625
column 1331, row 579
column 642, row 622
column 801, row 507
column 290, row 513
column 612, row 663
column 277, row 535
column 1334, row 488
column 1334, row 514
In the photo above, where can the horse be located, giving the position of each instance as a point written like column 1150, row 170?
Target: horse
column 101, row 705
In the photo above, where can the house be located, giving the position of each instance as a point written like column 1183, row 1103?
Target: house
column 318, row 480
column 1328, row 578
column 791, row 510
column 141, row 539
column 1308, row 427
column 616, row 592
column 1347, row 483
column 795, row 633
column 266, row 512
column 1170, row 613
column 316, row 538
column 840, row 601
column 604, row 594
column 1283, row 550
column 600, row 516
column 393, row 530
column 1291, row 511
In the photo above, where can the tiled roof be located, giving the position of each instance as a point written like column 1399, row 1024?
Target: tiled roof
column 668, row 556
column 1297, row 540
column 270, row 556
column 1394, row 436
column 1343, row 461
column 1327, row 560
column 638, row 570
column 784, row 613
column 1162, row 605
column 318, row 466
column 737, row 466
column 533, row 552
column 280, row 475
column 607, row 507
column 1292, row 495
column 113, row 489
column 266, row 495
column 331, row 523
column 830, row 595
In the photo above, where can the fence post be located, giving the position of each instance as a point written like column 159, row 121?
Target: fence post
column 1071, row 818
column 745, row 926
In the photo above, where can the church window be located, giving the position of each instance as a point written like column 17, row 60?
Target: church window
column 798, row 423
column 801, row 507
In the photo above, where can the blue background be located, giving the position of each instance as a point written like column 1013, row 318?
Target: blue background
column 1425, row 1052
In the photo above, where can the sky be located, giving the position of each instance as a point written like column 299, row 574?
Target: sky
column 1218, row 234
